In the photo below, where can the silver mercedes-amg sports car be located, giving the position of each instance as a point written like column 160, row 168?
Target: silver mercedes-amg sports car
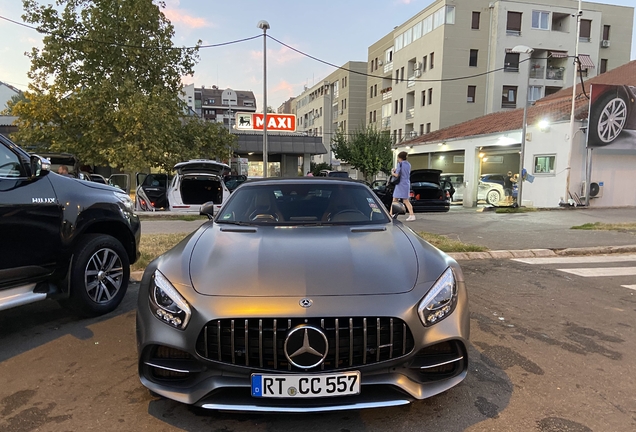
column 302, row 295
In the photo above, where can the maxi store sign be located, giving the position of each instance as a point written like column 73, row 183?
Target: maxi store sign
column 275, row 122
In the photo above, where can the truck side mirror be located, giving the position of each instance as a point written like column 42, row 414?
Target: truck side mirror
column 39, row 166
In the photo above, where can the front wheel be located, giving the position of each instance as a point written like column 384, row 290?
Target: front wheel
column 99, row 276
column 493, row 197
column 607, row 119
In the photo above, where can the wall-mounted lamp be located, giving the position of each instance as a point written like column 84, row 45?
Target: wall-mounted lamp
column 544, row 125
column 481, row 155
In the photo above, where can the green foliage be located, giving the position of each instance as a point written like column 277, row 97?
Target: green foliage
column 15, row 99
column 106, row 87
column 316, row 168
column 367, row 150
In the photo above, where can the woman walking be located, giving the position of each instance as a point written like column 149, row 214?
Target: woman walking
column 403, row 188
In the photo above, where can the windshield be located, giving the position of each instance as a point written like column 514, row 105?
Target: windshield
column 306, row 203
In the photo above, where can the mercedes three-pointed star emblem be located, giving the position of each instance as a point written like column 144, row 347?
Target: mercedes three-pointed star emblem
column 308, row 346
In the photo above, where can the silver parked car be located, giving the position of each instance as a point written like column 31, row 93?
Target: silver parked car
column 302, row 295
column 491, row 192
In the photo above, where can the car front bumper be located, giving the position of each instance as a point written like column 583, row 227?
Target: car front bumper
column 198, row 380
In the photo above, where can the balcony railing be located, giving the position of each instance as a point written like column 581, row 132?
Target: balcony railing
column 410, row 113
column 388, row 67
column 386, row 122
column 554, row 73
column 537, row 71
column 387, row 95
column 410, row 81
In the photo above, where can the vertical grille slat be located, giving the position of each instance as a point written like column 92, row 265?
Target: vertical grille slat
column 350, row 341
column 364, row 338
column 353, row 341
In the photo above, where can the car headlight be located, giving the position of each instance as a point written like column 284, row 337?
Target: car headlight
column 441, row 299
column 125, row 200
column 167, row 304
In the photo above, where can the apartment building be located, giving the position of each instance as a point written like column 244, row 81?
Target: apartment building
column 336, row 103
column 287, row 107
column 414, row 90
column 221, row 106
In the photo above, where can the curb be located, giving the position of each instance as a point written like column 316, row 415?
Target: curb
column 532, row 253
column 136, row 276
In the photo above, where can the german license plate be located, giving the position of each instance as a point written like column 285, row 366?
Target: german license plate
column 306, row 386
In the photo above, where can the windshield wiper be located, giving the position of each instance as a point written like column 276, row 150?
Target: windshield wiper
column 239, row 223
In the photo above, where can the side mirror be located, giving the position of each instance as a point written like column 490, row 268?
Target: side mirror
column 207, row 209
column 39, row 166
column 398, row 208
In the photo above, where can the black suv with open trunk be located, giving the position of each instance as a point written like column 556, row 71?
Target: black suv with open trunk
column 62, row 238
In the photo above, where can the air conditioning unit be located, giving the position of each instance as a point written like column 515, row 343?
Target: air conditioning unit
column 417, row 66
column 380, row 62
column 605, row 43
column 418, row 73
column 341, row 111
column 596, row 189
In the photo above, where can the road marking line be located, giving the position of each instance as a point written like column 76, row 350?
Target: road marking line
column 629, row 286
column 601, row 271
column 578, row 259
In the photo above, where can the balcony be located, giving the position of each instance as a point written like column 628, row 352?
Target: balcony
column 387, row 95
column 410, row 113
column 388, row 67
column 410, row 81
column 554, row 73
column 386, row 122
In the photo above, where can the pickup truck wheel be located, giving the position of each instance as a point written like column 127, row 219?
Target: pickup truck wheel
column 99, row 276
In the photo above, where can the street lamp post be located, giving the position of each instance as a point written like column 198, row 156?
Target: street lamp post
column 526, row 50
column 264, row 25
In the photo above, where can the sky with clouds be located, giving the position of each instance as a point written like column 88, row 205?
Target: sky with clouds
column 335, row 31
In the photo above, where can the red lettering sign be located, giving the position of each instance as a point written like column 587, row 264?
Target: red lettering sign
column 275, row 122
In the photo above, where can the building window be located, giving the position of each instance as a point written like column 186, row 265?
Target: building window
column 344, row 104
column 432, row 56
column 475, row 22
column 603, row 66
column 401, row 105
column 472, row 61
column 424, row 63
column 541, row 20
column 399, row 134
column 370, row 116
column 396, row 106
column 402, row 73
column 586, row 30
column 371, row 92
column 470, row 98
column 397, row 76
column 430, row 96
column 374, row 116
column 606, row 32
column 428, row 128
column 375, row 90
column 511, row 62
column 544, row 164
column 534, row 93
column 423, row 97
column 513, row 25
column 509, row 97
column 371, row 66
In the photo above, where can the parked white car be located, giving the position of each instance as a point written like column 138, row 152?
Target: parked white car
column 197, row 182
column 492, row 193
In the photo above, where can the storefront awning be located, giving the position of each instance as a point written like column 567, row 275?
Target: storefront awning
column 586, row 61
column 290, row 144
column 558, row 54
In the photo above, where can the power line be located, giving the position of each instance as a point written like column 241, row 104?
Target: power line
column 383, row 77
column 39, row 30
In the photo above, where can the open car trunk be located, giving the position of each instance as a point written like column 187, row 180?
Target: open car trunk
column 426, row 191
column 199, row 189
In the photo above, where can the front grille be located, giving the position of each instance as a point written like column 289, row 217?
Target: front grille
column 259, row 343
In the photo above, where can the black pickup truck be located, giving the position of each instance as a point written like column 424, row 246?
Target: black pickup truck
column 62, row 238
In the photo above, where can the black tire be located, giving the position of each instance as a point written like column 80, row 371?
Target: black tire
column 98, row 287
column 490, row 197
column 603, row 130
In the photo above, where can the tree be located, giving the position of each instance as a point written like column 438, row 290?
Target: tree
column 367, row 150
column 315, row 168
column 18, row 97
column 106, row 86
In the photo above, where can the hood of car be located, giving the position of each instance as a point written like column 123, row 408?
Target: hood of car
column 201, row 166
column 239, row 261
column 426, row 176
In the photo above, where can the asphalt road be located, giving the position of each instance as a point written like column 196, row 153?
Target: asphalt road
column 550, row 351
column 536, row 230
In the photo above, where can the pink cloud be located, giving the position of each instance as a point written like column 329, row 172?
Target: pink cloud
column 284, row 87
column 177, row 16
column 281, row 56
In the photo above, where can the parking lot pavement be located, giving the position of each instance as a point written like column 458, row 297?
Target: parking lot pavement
column 550, row 351
column 533, row 230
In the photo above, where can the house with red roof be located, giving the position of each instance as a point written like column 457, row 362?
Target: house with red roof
column 557, row 157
